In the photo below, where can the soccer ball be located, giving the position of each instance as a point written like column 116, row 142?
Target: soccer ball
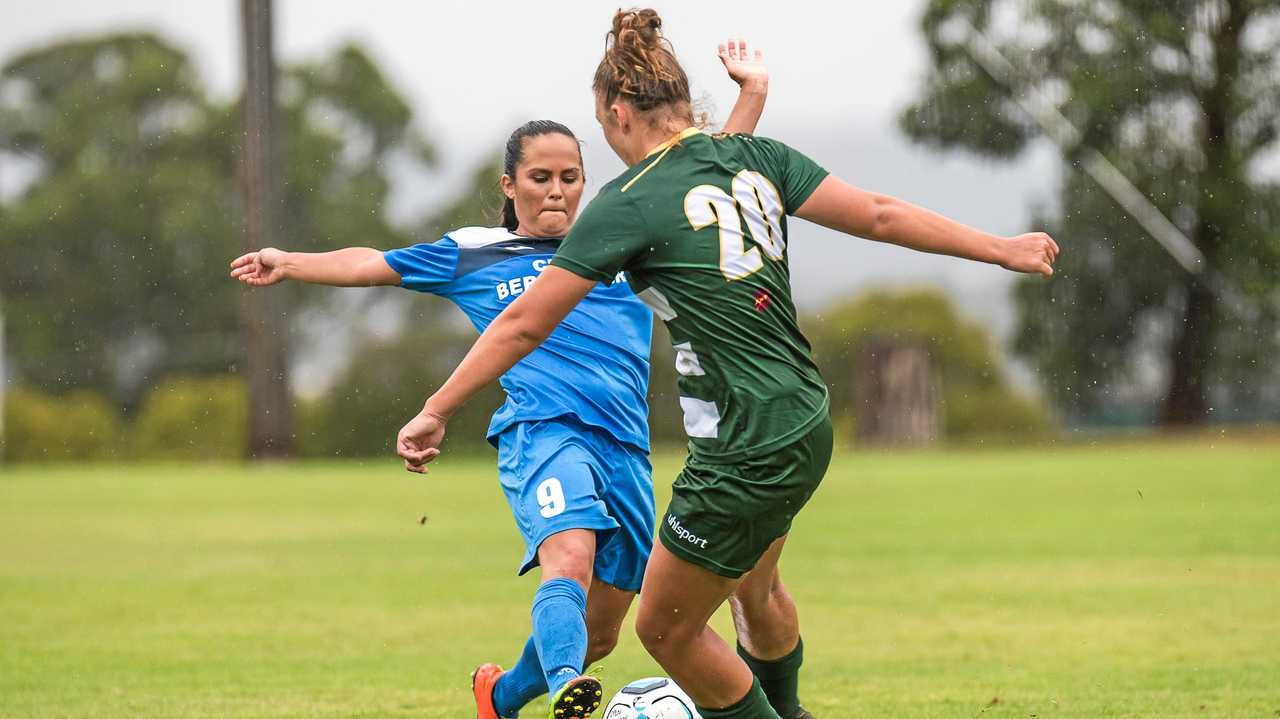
column 654, row 698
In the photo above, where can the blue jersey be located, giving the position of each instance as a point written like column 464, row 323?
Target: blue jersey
column 594, row 367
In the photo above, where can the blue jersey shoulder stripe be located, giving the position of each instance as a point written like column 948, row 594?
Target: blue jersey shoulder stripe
column 595, row 365
column 477, row 258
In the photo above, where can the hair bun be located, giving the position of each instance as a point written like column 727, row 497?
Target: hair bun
column 639, row 63
column 637, row 27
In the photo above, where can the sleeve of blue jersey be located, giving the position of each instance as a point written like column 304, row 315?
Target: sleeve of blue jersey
column 425, row 267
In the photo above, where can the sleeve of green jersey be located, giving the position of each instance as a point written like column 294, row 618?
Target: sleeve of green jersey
column 606, row 238
column 799, row 175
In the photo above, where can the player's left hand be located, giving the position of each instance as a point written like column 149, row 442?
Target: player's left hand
column 419, row 441
column 746, row 69
column 1033, row 253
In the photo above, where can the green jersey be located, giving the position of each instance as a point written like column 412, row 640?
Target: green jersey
column 700, row 227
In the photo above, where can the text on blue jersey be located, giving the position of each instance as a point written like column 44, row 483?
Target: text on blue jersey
column 594, row 367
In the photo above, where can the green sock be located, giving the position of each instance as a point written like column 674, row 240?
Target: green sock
column 755, row 705
column 779, row 678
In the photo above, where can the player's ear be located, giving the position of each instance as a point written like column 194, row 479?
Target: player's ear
column 508, row 186
column 621, row 115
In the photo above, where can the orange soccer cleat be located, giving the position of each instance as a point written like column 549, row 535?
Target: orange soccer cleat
column 483, row 680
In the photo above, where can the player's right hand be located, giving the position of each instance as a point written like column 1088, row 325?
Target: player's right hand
column 419, row 441
column 749, row 71
column 259, row 269
column 1032, row 253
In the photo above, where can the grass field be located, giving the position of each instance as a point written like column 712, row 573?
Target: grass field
column 1127, row 581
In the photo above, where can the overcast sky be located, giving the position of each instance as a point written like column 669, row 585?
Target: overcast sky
column 841, row 72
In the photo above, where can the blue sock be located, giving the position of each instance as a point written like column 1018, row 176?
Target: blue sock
column 520, row 684
column 560, row 630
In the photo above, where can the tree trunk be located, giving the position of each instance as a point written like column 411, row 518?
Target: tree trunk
column 270, row 426
column 1192, row 351
column 4, row 379
column 1187, row 402
column 897, row 397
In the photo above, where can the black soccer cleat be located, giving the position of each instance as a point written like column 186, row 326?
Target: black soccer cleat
column 803, row 714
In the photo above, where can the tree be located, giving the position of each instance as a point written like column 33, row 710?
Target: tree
column 1180, row 95
column 478, row 204
column 107, row 255
column 386, row 383
column 977, row 400
column 266, row 370
column 115, row 255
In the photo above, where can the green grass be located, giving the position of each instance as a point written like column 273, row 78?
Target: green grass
column 1125, row 581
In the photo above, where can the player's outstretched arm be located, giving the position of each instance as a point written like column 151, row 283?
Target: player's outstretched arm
column 350, row 267
column 523, row 325
column 841, row 206
column 749, row 71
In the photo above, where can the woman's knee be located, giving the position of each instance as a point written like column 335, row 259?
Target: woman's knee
column 660, row 633
column 568, row 554
column 650, row 631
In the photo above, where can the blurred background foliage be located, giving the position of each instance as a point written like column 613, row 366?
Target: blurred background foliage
column 1183, row 97
column 121, row 322
column 977, row 400
column 385, row 381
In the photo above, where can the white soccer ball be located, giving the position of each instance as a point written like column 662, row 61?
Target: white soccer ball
column 653, row 698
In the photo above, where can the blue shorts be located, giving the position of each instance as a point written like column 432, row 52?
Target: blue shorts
column 558, row 474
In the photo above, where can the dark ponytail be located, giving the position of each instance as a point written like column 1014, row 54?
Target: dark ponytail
column 514, row 155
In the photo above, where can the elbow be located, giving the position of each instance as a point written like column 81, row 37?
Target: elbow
column 531, row 337
column 524, row 331
column 886, row 215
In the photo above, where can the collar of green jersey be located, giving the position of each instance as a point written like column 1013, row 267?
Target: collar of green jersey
column 661, row 152
column 685, row 133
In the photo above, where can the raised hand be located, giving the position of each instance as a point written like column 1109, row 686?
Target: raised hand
column 259, row 269
column 1033, row 252
column 745, row 68
column 419, row 441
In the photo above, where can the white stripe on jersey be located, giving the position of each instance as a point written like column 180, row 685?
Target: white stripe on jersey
column 470, row 238
column 657, row 302
column 701, row 418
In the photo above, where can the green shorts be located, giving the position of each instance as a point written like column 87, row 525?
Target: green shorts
column 723, row 517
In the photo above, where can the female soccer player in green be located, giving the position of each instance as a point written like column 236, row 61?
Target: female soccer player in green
column 699, row 224
column 573, row 434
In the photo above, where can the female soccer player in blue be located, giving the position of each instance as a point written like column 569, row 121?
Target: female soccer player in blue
column 572, row 436
column 698, row 224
